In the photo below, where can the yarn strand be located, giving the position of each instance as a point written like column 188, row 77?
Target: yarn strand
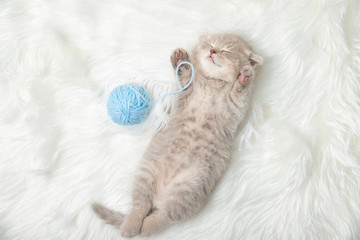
column 178, row 82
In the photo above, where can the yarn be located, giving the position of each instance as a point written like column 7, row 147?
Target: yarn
column 129, row 104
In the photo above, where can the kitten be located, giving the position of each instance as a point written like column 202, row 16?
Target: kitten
column 184, row 162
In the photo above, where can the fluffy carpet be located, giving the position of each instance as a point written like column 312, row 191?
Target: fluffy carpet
column 295, row 171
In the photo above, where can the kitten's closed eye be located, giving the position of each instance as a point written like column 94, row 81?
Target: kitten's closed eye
column 212, row 47
column 222, row 50
column 226, row 51
column 209, row 45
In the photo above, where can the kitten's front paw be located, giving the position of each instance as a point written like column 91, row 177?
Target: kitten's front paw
column 179, row 55
column 246, row 75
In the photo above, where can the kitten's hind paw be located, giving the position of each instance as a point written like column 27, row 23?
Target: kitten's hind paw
column 130, row 229
column 179, row 55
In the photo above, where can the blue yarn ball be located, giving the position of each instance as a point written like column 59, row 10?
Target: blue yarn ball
column 128, row 104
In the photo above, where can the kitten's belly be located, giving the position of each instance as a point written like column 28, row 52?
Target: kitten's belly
column 182, row 159
column 174, row 173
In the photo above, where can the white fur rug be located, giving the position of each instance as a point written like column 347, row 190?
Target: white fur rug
column 296, row 167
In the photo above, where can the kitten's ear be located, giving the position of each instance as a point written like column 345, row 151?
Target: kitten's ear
column 255, row 60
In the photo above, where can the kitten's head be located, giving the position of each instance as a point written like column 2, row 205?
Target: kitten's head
column 221, row 56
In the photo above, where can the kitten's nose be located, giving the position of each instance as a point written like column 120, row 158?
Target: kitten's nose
column 212, row 51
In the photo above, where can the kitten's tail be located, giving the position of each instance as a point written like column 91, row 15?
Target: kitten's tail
column 109, row 216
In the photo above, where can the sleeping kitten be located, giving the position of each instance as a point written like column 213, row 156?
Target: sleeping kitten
column 184, row 162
